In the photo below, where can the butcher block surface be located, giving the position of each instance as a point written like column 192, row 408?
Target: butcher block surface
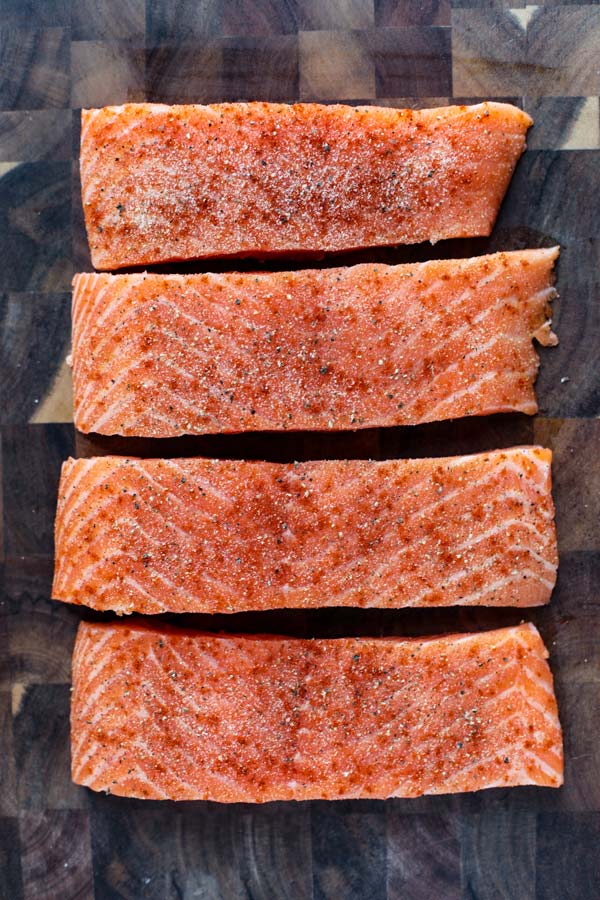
column 61, row 840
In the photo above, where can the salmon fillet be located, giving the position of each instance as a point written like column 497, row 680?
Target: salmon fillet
column 200, row 535
column 346, row 348
column 163, row 713
column 163, row 183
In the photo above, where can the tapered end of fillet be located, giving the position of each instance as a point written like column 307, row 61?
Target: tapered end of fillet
column 541, row 304
column 545, row 336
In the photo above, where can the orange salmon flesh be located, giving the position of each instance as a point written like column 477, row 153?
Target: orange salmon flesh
column 201, row 535
column 163, row 183
column 347, row 348
column 162, row 713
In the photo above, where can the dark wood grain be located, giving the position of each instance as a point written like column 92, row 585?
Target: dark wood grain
column 35, row 67
column 566, row 384
column 567, row 864
column 557, row 180
column 564, row 123
column 122, row 65
column 57, row 840
column 412, row 12
column 266, row 19
column 423, row 856
column 6, row 679
column 335, row 66
column 488, row 841
column 81, row 260
column 38, row 631
column 201, row 850
column 34, row 14
column 339, row 15
column 562, row 50
column 182, row 20
column 502, row 70
column 55, row 855
column 183, row 73
column 256, row 852
column 41, row 746
column 576, row 479
column 11, row 882
column 253, row 65
column 32, row 135
column 539, row 51
column 35, row 205
column 32, row 456
column 34, row 335
column 108, row 20
column 135, row 850
column 2, row 609
column 9, row 805
column 412, row 61
column 349, row 852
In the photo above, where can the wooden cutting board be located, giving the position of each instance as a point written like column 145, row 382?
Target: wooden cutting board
column 57, row 840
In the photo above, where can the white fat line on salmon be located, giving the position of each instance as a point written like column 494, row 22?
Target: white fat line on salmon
column 99, row 398
column 88, row 653
column 133, row 315
column 451, row 400
column 198, row 481
column 96, row 321
column 455, row 782
column 388, row 569
column 117, row 410
column 134, row 585
column 66, row 556
column 545, row 539
column 95, row 695
column 108, row 585
column 544, row 683
column 69, row 484
column 427, row 385
column 492, row 588
column 414, row 326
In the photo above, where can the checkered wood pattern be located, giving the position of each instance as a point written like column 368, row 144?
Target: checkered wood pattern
column 57, row 840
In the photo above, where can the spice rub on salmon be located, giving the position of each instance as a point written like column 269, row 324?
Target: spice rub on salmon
column 163, row 713
column 344, row 348
column 202, row 535
column 163, row 183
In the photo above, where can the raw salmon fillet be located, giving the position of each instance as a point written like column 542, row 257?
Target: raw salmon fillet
column 345, row 348
column 163, row 713
column 163, row 183
column 201, row 535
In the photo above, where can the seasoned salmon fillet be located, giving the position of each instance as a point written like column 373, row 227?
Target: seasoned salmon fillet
column 162, row 183
column 163, row 713
column 200, row 535
column 345, row 348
